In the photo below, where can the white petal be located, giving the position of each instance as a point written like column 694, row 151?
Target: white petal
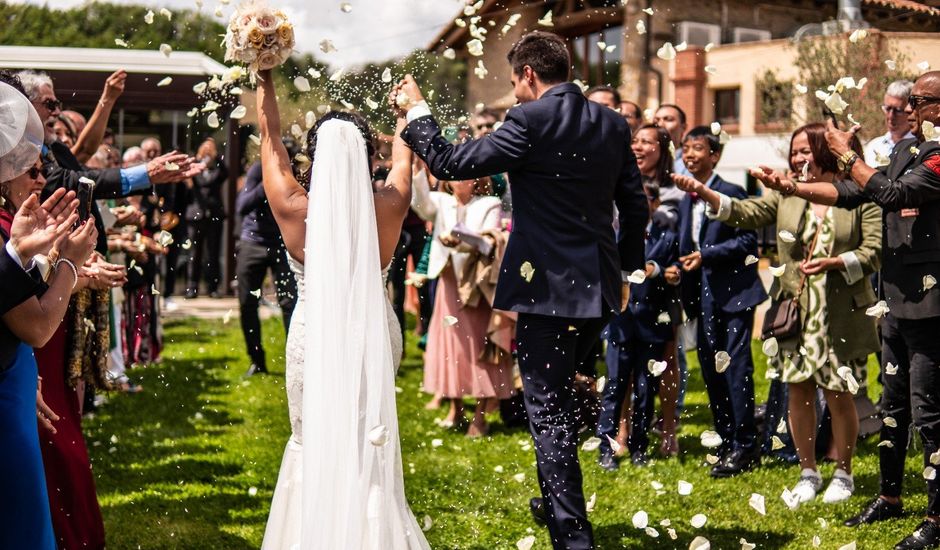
column 212, row 120
column 346, row 7
column 750, row 260
column 656, row 486
column 698, row 521
column 589, row 505
column 166, row 13
column 890, row 422
column 722, row 360
column 652, row 532
column 801, row 88
column 745, row 545
column 757, row 502
column 711, row 69
column 520, row 477
column 777, row 271
column 674, row 536
column 200, row 87
column 148, row 17
column 239, row 112
column 935, row 458
column 786, row 236
column 887, row 444
column 846, row 374
column 427, row 524
column 525, row 543
column 475, row 47
column 849, row 546
column 836, row 104
column 309, row 119
column 878, row 310
column 640, row 26
column 711, row 459
column 641, row 520
column 546, row 20
column 667, row 52
column 923, row 66
column 891, row 64
column 770, row 347
column 637, row 277
column 326, row 46
column 716, row 128
column 449, row 53
column 450, row 320
column 591, row 444
column 252, row 491
column 682, row 46
column 614, row 446
column 600, row 384
column 817, row 542
column 378, row 435
column 165, row 82
column 663, row 318
column 929, row 282
column 302, row 84
column 166, row 49
column 120, row 42
column 710, row 439
column 776, row 443
column 656, row 368
column 891, row 368
column 684, row 488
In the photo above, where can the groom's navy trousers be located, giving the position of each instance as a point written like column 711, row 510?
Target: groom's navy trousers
column 569, row 161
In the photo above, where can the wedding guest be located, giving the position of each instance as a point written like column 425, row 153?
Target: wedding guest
column 65, row 130
column 151, row 148
column 720, row 290
column 672, row 118
column 454, row 366
column 906, row 190
column 637, row 338
column 632, row 113
column 260, row 249
column 141, row 330
column 27, row 320
column 607, row 96
column 828, row 254
column 204, row 218
column 894, row 106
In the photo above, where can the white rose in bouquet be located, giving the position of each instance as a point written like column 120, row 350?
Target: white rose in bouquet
column 258, row 36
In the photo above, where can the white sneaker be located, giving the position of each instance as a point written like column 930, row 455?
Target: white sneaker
column 809, row 484
column 840, row 488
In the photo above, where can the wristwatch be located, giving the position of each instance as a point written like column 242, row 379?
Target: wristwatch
column 846, row 160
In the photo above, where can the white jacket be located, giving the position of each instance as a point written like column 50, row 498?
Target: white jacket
column 480, row 214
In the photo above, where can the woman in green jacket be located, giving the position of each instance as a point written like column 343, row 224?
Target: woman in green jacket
column 844, row 253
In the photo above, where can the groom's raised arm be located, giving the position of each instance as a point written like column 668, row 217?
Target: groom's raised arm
column 634, row 212
column 500, row 151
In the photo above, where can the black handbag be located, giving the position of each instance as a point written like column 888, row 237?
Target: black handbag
column 782, row 320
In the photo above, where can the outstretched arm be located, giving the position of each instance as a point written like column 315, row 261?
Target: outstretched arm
column 287, row 198
column 87, row 143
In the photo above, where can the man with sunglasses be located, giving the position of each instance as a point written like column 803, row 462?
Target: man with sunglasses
column 908, row 191
column 898, row 128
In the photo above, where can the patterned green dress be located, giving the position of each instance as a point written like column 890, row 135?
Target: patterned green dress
column 814, row 357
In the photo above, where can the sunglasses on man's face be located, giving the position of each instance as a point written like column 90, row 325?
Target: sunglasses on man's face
column 916, row 101
column 52, row 104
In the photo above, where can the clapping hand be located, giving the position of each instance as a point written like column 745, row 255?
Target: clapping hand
column 78, row 245
column 687, row 183
column 102, row 275
column 37, row 227
column 173, row 167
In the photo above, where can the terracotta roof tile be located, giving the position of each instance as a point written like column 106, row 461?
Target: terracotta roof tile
column 907, row 5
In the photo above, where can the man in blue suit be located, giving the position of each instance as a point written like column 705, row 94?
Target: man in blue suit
column 636, row 337
column 721, row 291
column 564, row 271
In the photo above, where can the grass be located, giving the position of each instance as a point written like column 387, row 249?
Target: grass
column 192, row 461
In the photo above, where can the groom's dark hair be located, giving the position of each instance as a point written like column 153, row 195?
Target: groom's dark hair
column 361, row 124
column 546, row 53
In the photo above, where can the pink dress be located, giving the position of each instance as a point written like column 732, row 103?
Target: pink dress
column 452, row 365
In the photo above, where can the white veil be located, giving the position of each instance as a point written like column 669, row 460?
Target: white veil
column 353, row 492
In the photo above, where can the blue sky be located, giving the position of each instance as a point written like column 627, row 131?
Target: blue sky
column 375, row 30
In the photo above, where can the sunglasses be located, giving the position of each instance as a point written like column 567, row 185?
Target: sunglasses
column 52, row 104
column 916, row 101
column 889, row 110
column 34, row 173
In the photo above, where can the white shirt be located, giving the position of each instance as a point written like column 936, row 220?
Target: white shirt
column 698, row 215
column 879, row 149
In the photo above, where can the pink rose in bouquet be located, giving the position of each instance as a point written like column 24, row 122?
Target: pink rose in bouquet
column 258, row 36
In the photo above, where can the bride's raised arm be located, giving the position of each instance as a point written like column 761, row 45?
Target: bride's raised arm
column 394, row 198
column 288, row 199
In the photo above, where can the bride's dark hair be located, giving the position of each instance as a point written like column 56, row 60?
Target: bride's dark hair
column 355, row 118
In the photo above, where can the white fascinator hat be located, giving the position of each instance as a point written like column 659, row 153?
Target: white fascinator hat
column 21, row 133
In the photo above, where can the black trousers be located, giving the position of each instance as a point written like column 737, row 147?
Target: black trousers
column 550, row 350
column 413, row 238
column 206, row 238
column 730, row 393
column 252, row 263
column 910, row 396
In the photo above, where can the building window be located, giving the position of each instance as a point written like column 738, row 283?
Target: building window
column 728, row 106
column 594, row 66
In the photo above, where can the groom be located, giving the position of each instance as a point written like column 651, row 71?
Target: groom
column 564, row 272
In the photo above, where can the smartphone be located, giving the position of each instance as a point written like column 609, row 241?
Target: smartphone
column 85, row 193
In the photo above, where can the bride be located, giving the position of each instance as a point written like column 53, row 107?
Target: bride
column 340, row 484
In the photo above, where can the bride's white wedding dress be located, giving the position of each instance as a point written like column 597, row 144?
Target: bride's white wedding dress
column 340, row 485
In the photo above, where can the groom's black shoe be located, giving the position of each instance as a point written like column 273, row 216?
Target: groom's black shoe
column 256, row 369
column 538, row 510
column 927, row 535
column 876, row 510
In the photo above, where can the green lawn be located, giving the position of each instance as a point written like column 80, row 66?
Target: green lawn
column 192, row 462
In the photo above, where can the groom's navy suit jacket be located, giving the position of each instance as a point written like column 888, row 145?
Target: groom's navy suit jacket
column 569, row 161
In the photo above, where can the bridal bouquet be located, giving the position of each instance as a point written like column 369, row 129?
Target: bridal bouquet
column 258, row 36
